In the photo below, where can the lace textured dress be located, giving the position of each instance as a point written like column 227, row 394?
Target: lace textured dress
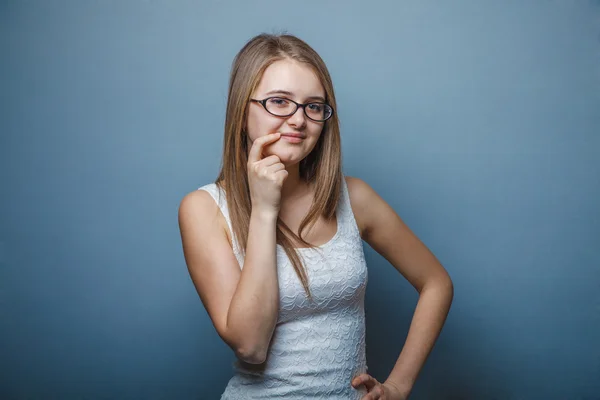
column 317, row 347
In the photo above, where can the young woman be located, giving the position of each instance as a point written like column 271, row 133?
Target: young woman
column 274, row 245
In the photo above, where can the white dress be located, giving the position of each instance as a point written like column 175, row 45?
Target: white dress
column 316, row 348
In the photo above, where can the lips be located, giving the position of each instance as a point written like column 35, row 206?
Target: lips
column 294, row 135
column 292, row 138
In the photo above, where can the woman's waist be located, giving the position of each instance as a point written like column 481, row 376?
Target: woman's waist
column 286, row 358
column 301, row 378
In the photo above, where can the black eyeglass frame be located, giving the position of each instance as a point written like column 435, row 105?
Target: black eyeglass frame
column 263, row 102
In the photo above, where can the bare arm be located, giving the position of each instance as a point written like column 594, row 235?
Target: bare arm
column 254, row 308
column 387, row 233
column 243, row 305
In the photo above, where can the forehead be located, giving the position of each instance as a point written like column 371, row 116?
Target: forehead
column 291, row 76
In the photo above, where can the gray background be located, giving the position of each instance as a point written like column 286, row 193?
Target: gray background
column 478, row 121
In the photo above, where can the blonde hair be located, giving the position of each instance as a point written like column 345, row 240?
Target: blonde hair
column 323, row 165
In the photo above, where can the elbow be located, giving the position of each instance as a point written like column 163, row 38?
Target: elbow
column 251, row 356
column 442, row 284
column 449, row 285
column 248, row 351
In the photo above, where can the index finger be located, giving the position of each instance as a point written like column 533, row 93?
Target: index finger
column 257, row 146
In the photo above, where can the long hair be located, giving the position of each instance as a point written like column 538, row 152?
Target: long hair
column 322, row 166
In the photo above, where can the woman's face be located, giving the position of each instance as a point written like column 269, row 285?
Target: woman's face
column 295, row 81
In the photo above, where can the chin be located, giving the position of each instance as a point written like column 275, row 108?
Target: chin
column 288, row 157
column 288, row 161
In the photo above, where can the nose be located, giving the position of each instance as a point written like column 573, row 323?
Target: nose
column 298, row 118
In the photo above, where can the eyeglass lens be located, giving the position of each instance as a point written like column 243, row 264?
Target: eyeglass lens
column 284, row 107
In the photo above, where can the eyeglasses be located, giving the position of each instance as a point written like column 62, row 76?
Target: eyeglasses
column 282, row 107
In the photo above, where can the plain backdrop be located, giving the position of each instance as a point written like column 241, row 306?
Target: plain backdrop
column 477, row 121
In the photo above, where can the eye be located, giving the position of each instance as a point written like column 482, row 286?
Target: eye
column 316, row 107
column 279, row 101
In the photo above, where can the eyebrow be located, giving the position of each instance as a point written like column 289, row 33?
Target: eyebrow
column 285, row 92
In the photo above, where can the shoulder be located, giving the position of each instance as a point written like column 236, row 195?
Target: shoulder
column 199, row 210
column 376, row 219
column 196, row 206
column 203, row 199
column 199, row 201
column 358, row 189
column 361, row 197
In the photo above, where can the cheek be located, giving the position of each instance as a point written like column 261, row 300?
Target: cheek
column 312, row 144
column 316, row 135
column 260, row 125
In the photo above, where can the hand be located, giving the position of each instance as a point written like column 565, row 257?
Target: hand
column 377, row 390
column 265, row 176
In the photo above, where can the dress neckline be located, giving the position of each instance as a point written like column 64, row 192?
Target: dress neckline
column 326, row 244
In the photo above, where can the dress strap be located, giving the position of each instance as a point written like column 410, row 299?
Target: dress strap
column 346, row 213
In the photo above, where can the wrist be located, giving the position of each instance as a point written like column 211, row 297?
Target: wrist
column 403, row 388
column 265, row 215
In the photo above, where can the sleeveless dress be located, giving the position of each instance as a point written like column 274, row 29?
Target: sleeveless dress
column 317, row 347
